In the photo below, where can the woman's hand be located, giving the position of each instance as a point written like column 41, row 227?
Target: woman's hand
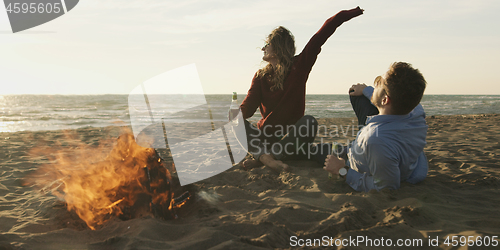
column 349, row 14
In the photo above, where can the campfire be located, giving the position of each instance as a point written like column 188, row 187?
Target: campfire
column 126, row 182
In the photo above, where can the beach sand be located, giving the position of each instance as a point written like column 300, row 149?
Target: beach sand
column 259, row 208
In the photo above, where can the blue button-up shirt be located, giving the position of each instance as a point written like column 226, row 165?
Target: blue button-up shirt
column 388, row 150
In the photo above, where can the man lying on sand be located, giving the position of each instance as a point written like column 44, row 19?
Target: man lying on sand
column 389, row 148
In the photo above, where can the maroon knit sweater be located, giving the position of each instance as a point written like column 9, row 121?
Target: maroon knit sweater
column 286, row 107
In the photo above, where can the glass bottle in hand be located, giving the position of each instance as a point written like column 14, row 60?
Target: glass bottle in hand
column 234, row 109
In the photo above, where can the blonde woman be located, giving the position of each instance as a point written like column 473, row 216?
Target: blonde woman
column 279, row 90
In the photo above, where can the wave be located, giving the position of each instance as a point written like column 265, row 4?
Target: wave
column 48, row 112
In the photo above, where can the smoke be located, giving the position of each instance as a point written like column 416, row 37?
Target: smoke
column 211, row 197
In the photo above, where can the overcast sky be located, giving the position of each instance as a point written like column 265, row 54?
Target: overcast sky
column 111, row 46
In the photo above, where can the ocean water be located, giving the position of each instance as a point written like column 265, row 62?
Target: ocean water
column 54, row 112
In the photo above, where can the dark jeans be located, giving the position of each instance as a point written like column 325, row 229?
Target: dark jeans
column 363, row 108
column 295, row 145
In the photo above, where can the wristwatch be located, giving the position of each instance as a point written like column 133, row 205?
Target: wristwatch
column 343, row 171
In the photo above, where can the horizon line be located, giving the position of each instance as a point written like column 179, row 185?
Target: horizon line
column 223, row 94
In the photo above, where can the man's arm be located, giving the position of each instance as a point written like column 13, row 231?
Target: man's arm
column 368, row 92
column 357, row 89
column 361, row 89
column 383, row 170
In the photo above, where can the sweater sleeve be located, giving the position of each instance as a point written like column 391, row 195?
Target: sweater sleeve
column 313, row 47
column 252, row 100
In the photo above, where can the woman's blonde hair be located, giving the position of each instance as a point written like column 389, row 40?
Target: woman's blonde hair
column 283, row 44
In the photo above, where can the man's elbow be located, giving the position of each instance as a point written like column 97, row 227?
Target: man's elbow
column 387, row 185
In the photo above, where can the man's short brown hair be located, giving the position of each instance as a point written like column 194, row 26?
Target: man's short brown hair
column 405, row 86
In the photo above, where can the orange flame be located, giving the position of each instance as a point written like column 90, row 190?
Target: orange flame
column 97, row 185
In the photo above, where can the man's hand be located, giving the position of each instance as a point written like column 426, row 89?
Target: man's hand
column 333, row 164
column 357, row 89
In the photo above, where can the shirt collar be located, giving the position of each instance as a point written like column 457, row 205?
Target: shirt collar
column 385, row 118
